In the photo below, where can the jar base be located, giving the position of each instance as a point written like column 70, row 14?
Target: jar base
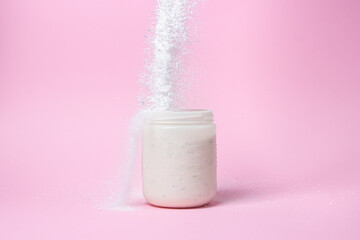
column 178, row 207
column 179, row 204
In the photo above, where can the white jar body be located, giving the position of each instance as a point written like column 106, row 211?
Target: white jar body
column 179, row 164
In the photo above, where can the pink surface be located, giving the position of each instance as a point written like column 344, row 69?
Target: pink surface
column 281, row 76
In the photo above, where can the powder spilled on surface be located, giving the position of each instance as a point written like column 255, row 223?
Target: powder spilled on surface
column 164, row 82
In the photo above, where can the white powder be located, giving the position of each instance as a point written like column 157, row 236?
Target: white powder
column 169, row 43
column 121, row 188
column 164, row 79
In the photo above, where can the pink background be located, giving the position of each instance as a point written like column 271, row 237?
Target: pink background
column 283, row 79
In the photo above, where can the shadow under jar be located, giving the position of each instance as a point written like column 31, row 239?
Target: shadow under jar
column 179, row 158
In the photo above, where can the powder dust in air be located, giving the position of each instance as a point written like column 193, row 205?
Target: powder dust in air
column 164, row 85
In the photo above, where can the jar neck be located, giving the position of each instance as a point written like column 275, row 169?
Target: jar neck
column 181, row 117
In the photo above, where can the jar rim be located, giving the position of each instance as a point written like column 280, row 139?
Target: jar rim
column 182, row 116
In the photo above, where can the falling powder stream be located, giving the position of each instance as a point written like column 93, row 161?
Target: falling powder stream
column 163, row 79
column 169, row 51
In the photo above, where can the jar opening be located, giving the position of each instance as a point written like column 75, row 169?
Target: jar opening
column 183, row 116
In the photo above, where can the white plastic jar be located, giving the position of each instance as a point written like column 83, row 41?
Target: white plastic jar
column 179, row 158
